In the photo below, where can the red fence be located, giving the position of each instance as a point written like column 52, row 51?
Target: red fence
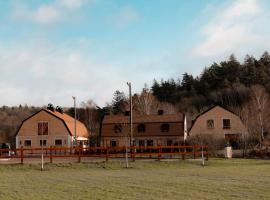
column 134, row 152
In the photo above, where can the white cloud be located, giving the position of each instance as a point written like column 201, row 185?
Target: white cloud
column 46, row 14
column 37, row 73
column 125, row 16
column 241, row 8
column 232, row 29
column 50, row 13
column 72, row 4
column 11, row 93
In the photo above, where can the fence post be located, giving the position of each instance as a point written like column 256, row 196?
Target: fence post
column 183, row 153
column 207, row 153
column 107, row 154
column 51, row 156
column 194, row 154
column 21, row 155
column 159, row 153
column 133, row 153
column 79, row 154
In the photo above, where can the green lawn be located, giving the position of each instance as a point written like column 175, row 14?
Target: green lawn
column 219, row 179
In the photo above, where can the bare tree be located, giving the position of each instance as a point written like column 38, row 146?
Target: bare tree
column 145, row 102
column 260, row 101
column 91, row 117
column 168, row 108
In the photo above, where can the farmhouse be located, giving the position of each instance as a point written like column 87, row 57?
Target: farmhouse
column 218, row 122
column 148, row 130
column 50, row 127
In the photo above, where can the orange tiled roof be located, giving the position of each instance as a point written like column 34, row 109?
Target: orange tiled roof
column 81, row 130
column 112, row 119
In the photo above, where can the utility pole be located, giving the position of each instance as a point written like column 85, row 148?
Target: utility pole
column 75, row 120
column 130, row 114
column 126, row 144
column 42, row 161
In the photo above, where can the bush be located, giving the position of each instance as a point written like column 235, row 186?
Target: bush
column 214, row 143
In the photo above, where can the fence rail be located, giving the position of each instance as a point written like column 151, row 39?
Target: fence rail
column 133, row 152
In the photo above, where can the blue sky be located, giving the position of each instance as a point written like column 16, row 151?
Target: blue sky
column 54, row 49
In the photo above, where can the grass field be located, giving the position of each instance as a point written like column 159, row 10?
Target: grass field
column 219, row 179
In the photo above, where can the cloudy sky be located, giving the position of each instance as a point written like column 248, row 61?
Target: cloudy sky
column 51, row 50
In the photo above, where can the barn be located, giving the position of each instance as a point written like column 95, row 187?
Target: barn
column 50, row 127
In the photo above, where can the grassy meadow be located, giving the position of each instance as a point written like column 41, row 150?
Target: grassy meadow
column 219, row 179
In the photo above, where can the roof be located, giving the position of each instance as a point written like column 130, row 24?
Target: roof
column 68, row 121
column 81, row 130
column 113, row 119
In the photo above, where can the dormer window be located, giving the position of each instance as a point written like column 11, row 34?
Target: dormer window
column 118, row 128
column 43, row 128
column 141, row 128
column 165, row 128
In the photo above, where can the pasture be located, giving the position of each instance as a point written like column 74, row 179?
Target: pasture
column 166, row 179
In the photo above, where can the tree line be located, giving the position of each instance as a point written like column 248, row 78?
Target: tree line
column 240, row 87
column 226, row 83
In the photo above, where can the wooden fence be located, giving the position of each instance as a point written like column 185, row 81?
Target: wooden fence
column 134, row 152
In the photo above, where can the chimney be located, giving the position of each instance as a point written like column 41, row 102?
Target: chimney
column 59, row 109
column 160, row 112
column 50, row 107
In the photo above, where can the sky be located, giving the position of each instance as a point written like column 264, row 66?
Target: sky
column 51, row 50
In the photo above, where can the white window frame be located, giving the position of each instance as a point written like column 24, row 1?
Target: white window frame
column 223, row 124
column 58, row 144
column 27, row 140
column 42, row 142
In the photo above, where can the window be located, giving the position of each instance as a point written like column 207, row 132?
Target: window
column 165, row 127
column 113, row 143
column 210, row 124
column 42, row 128
column 141, row 143
column 169, row 142
column 27, row 143
column 58, row 142
column 226, row 123
column 150, row 143
column 118, row 128
column 141, row 128
column 44, row 142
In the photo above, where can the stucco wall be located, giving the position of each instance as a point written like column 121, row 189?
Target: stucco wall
column 56, row 130
column 218, row 114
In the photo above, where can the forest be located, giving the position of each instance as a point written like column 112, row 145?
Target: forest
column 240, row 87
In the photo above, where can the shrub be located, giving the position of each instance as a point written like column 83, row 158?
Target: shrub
column 214, row 143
